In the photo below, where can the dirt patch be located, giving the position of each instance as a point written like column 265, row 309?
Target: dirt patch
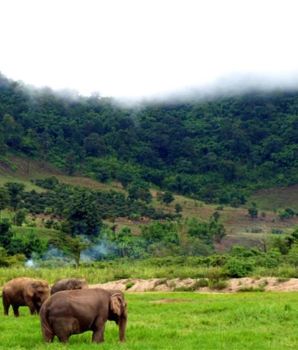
column 270, row 284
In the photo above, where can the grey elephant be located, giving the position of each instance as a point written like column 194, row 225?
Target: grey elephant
column 25, row 291
column 77, row 311
column 69, row 284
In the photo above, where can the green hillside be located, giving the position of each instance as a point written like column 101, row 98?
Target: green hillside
column 155, row 179
column 240, row 226
column 217, row 150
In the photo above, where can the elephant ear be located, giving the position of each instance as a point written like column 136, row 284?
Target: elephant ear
column 116, row 303
column 71, row 285
column 30, row 289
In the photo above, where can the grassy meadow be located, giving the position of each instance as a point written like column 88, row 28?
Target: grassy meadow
column 179, row 321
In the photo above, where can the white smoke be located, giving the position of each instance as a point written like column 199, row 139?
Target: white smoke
column 98, row 251
column 31, row 264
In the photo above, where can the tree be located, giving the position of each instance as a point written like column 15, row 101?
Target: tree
column 5, row 234
column 30, row 145
column 168, row 197
column 4, row 199
column 140, row 191
column 20, row 217
column 94, row 145
column 195, row 246
column 26, row 245
column 208, row 232
column 6, row 261
column 166, row 232
column 286, row 213
column 84, row 214
column 15, row 190
column 253, row 211
column 73, row 246
column 178, row 208
column 215, row 216
column 45, row 143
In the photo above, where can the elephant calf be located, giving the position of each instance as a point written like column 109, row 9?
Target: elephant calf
column 69, row 284
column 77, row 311
column 24, row 291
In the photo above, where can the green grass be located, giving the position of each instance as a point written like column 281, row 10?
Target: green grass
column 191, row 321
column 117, row 270
column 103, row 273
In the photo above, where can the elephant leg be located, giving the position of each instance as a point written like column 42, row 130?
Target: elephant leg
column 47, row 336
column 98, row 332
column 16, row 310
column 32, row 309
column 63, row 338
column 65, row 327
column 37, row 309
column 6, row 306
column 62, row 334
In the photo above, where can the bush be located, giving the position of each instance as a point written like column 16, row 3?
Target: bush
column 219, row 285
column 48, row 183
column 128, row 285
column 277, row 231
column 202, row 282
column 256, row 230
column 238, row 268
column 215, row 273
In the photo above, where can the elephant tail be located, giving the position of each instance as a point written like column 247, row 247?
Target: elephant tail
column 47, row 331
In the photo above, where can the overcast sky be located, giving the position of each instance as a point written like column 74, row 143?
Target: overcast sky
column 137, row 48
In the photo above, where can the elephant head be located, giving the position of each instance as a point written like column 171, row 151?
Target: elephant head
column 77, row 283
column 118, row 312
column 69, row 284
column 37, row 291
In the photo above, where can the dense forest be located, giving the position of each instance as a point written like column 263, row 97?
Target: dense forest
column 216, row 150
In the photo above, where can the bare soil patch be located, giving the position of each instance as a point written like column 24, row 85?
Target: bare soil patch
column 269, row 284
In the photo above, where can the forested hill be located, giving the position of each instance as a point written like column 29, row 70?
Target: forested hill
column 217, row 150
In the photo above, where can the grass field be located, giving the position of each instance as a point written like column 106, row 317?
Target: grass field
column 181, row 321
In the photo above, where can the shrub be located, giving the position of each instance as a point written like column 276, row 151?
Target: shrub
column 171, row 284
column 256, row 230
column 160, row 281
column 215, row 273
column 260, row 288
column 277, row 231
column 238, row 268
column 121, row 274
column 220, row 207
column 219, row 284
column 129, row 284
column 202, row 282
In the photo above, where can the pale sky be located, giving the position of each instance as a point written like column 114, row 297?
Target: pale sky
column 141, row 48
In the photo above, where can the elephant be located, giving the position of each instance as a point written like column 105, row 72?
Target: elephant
column 76, row 311
column 68, row 284
column 24, row 291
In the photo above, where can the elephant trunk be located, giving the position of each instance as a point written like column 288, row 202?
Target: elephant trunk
column 122, row 327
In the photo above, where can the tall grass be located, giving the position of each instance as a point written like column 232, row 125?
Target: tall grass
column 122, row 269
column 245, row 321
column 97, row 274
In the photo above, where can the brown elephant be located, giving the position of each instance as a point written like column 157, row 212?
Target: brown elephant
column 77, row 311
column 69, row 284
column 24, row 291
